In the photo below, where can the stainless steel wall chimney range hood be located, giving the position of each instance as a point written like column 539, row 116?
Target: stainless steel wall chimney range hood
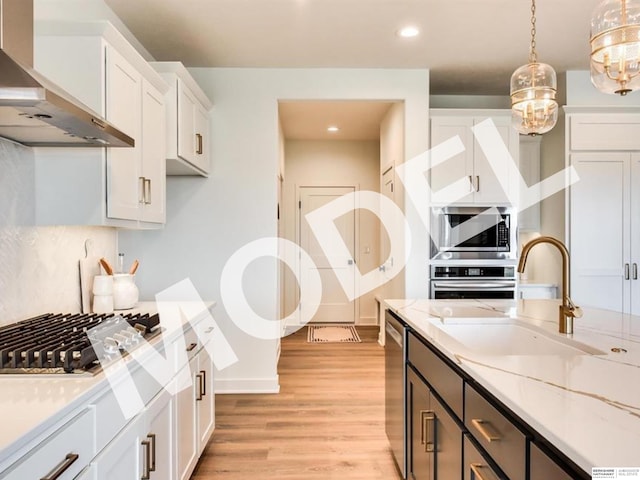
column 34, row 111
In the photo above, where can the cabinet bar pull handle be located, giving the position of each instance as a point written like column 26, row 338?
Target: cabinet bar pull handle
column 147, row 455
column 626, row 271
column 476, row 473
column 203, row 383
column 486, row 430
column 152, row 437
column 199, row 397
column 209, row 330
column 62, row 467
column 141, row 197
column 427, row 435
column 191, row 346
column 477, row 183
column 199, row 144
column 635, row 271
column 471, row 184
column 147, row 191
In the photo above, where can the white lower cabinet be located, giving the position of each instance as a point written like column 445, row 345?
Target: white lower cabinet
column 160, row 427
column 195, row 406
column 162, row 441
column 123, row 457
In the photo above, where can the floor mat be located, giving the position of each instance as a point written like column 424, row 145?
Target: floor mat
column 332, row 333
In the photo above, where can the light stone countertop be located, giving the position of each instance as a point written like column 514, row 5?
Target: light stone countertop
column 34, row 406
column 587, row 405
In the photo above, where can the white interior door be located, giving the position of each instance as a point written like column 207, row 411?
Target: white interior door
column 334, row 306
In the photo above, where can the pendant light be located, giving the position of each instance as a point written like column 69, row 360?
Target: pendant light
column 615, row 46
column 533, row 92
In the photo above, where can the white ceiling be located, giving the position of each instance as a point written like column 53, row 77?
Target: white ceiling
column 469, row 46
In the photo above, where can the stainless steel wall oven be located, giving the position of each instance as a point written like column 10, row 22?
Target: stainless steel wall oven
column 460, row 282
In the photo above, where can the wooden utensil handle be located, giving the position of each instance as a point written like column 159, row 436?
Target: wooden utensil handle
column 134, row 267
column 107, row 266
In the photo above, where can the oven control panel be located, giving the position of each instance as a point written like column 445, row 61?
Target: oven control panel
column 473, row 272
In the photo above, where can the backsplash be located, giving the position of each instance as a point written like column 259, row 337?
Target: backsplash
column 38, row 265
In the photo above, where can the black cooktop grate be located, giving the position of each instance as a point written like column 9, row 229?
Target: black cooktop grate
column 55, row 342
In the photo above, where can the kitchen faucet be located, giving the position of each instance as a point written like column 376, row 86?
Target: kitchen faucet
column 568, row 310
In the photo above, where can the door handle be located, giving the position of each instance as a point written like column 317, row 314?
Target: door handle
column 199, row 394
column 147, row 455
column 152, row 437
column 427, row 435
column 626, row 271
column 203, row 383
column 198, row 144
column 477, row 183
column 147, row 191
column 471, row 184
column 141, row 184
column 635, row 271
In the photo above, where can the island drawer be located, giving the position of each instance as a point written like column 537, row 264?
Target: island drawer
column 542, row 467
column 501, row 439
column 441, row 377
column 475, row 466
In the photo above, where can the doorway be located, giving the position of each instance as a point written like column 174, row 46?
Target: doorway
column 334, row 306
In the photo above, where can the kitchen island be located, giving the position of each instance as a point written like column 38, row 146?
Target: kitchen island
column 578, row 393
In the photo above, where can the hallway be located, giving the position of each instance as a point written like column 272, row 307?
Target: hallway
column 326, row 423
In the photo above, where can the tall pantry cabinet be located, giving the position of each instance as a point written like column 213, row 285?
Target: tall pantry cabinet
column 103, row 186
column 604, row 208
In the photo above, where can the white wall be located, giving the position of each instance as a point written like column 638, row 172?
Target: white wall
column 334, row 163
column 38, row 265
column 580, row 91
column 209, row 219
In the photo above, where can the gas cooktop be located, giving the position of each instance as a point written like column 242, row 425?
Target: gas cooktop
column 57, row 343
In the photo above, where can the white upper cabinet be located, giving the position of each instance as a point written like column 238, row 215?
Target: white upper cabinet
column 483, row 185
column 188, row 135
column 111, row 186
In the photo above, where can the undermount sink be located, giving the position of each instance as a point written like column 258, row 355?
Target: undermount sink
column 514, row 339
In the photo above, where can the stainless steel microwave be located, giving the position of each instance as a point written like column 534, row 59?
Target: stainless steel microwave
column 473, row 233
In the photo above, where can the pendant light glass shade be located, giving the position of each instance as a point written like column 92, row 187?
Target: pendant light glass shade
column 615, row 46
column 534, row 109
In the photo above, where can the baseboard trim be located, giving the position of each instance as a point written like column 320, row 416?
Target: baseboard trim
column 247, row 385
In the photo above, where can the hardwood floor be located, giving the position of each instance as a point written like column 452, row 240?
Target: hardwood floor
column 327, row 422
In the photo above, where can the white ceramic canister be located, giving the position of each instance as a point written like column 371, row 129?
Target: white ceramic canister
column 125, row 291
column 102, row 294
column 102, row 303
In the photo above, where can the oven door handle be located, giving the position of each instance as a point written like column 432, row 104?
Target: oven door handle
column 474, row 285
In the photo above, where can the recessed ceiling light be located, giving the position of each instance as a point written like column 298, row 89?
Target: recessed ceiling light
column 333, row 129
column 408, row 32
